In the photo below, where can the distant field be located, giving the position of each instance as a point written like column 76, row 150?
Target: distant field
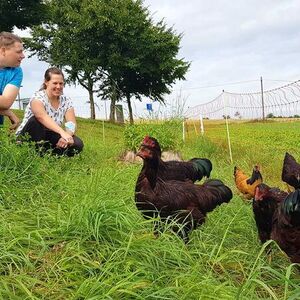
column 263, row 143
column 70, row 228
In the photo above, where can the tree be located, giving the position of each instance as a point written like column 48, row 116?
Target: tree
column 226, row 117
column 21, row 13
column 238, row 115
column 63, row 42
column 270, row 115
column 110, row 47
column 143, row 61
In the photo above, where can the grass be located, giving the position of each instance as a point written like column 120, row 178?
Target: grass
column 70, row 228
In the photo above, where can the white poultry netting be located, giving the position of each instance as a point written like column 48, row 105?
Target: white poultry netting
column 279, row 102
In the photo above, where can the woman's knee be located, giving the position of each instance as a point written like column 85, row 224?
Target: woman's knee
column 78, row 144
column 34, row 128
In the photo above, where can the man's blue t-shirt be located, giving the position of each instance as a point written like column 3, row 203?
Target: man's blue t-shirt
column 12, row 76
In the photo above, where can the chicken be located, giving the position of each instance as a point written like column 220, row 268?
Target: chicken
column 180, row 201
column 245, row 184
column 285, row 228
column 291, row 172
column 193, row 170
column 264, row 205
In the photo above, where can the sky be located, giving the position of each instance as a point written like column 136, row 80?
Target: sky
column 230, row 45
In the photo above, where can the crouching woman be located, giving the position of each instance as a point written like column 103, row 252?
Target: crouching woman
column 45, row 114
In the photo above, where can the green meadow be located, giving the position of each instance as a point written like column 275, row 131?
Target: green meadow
column 70, row 228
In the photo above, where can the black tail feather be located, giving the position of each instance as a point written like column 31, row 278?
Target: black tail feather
column 203, row 166
column 291, row 203
column 223, row 192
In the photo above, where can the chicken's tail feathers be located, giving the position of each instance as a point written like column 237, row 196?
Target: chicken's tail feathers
column 235, row 170
column 288, row 156
column 203, row 166
column 288, row 159
column 217, row 187
column 291, row 203
column 256, row 175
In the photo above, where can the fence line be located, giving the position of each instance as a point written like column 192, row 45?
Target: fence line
column 282, row 101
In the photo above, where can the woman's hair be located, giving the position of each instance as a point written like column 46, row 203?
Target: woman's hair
column 48, row 73
column 7, row 39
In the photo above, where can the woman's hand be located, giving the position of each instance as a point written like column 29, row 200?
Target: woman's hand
column 62, row 143
column 65, row 140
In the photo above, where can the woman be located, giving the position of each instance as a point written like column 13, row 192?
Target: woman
column 45, row 114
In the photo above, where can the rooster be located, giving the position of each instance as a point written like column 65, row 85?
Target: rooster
column 291, row 172
column 286, row 226
column 285, row 215
column 245, row 184
column 181, row 201
column 264, row 205
column 193, row 170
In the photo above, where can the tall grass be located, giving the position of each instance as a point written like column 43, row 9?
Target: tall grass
column 70, row 228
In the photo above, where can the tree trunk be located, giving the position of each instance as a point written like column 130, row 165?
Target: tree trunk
column 112, row 115
column 129, row 108
column 91, row 98
column 92, row 105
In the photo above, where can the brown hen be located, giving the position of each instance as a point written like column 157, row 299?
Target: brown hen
column 264, row 205
column 285, row 215
column 181, row 201
column 192, row 170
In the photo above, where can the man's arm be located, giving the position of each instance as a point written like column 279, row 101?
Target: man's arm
column 8, row 96
column 15, row 121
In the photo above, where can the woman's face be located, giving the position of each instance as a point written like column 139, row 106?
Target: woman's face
column 55, row 85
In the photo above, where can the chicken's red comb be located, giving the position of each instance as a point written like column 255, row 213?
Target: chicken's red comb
column 148, row 141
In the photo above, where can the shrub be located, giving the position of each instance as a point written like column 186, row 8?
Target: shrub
column 167, row 133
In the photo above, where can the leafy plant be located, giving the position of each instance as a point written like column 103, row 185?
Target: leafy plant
column 167, row 133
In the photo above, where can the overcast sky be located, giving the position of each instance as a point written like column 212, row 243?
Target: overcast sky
column 225, row 41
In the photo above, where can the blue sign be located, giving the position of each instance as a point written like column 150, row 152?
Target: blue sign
column 149, row 106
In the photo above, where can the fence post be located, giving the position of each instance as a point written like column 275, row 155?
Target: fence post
column 227, row 127
column 201, row 125
column 183, row 131
column 262, row 98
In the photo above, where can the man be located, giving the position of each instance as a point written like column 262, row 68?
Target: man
column 11, row 75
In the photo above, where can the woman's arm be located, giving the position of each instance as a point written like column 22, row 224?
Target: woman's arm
column 70, row 117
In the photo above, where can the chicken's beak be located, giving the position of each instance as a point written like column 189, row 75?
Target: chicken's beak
column 257, row 197
column 139, row 153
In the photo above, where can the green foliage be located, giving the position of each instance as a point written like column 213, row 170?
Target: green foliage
column 168, row 134
column 21, row 13
column 112, row 47
column 269, row 141
column 19, row 167
column 201, row 147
